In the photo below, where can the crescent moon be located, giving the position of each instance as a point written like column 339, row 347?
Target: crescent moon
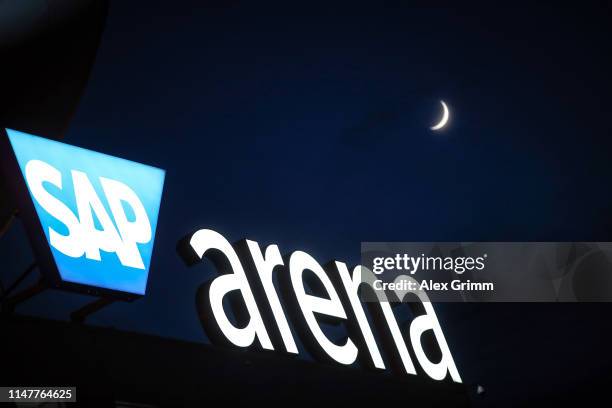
column 445, row 117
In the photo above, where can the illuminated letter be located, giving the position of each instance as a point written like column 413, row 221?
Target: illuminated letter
column 94, row 239
column 309, row 305
column 421, row 324
column 132, row 232
column 429, row 321
column 38, row 172
column 207, row 240
column 264, row 265
column 368, row 277
column 351, row 285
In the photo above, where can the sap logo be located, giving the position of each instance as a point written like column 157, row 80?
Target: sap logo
column 98, row 213
column 83, row 237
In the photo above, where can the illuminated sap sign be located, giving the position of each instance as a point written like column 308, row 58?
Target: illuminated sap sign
column 98, row 212
column 242, row 307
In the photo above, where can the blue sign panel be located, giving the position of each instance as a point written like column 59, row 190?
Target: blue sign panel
column 98, row 212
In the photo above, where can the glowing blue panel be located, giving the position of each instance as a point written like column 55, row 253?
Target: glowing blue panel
column 98, row 212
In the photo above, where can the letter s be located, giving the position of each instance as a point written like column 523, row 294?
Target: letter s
column 38, row 172
column 480, row 262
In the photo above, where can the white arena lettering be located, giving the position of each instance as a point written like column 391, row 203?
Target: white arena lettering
column 246, row 271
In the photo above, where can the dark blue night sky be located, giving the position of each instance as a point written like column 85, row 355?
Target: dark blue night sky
column 308, row 126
